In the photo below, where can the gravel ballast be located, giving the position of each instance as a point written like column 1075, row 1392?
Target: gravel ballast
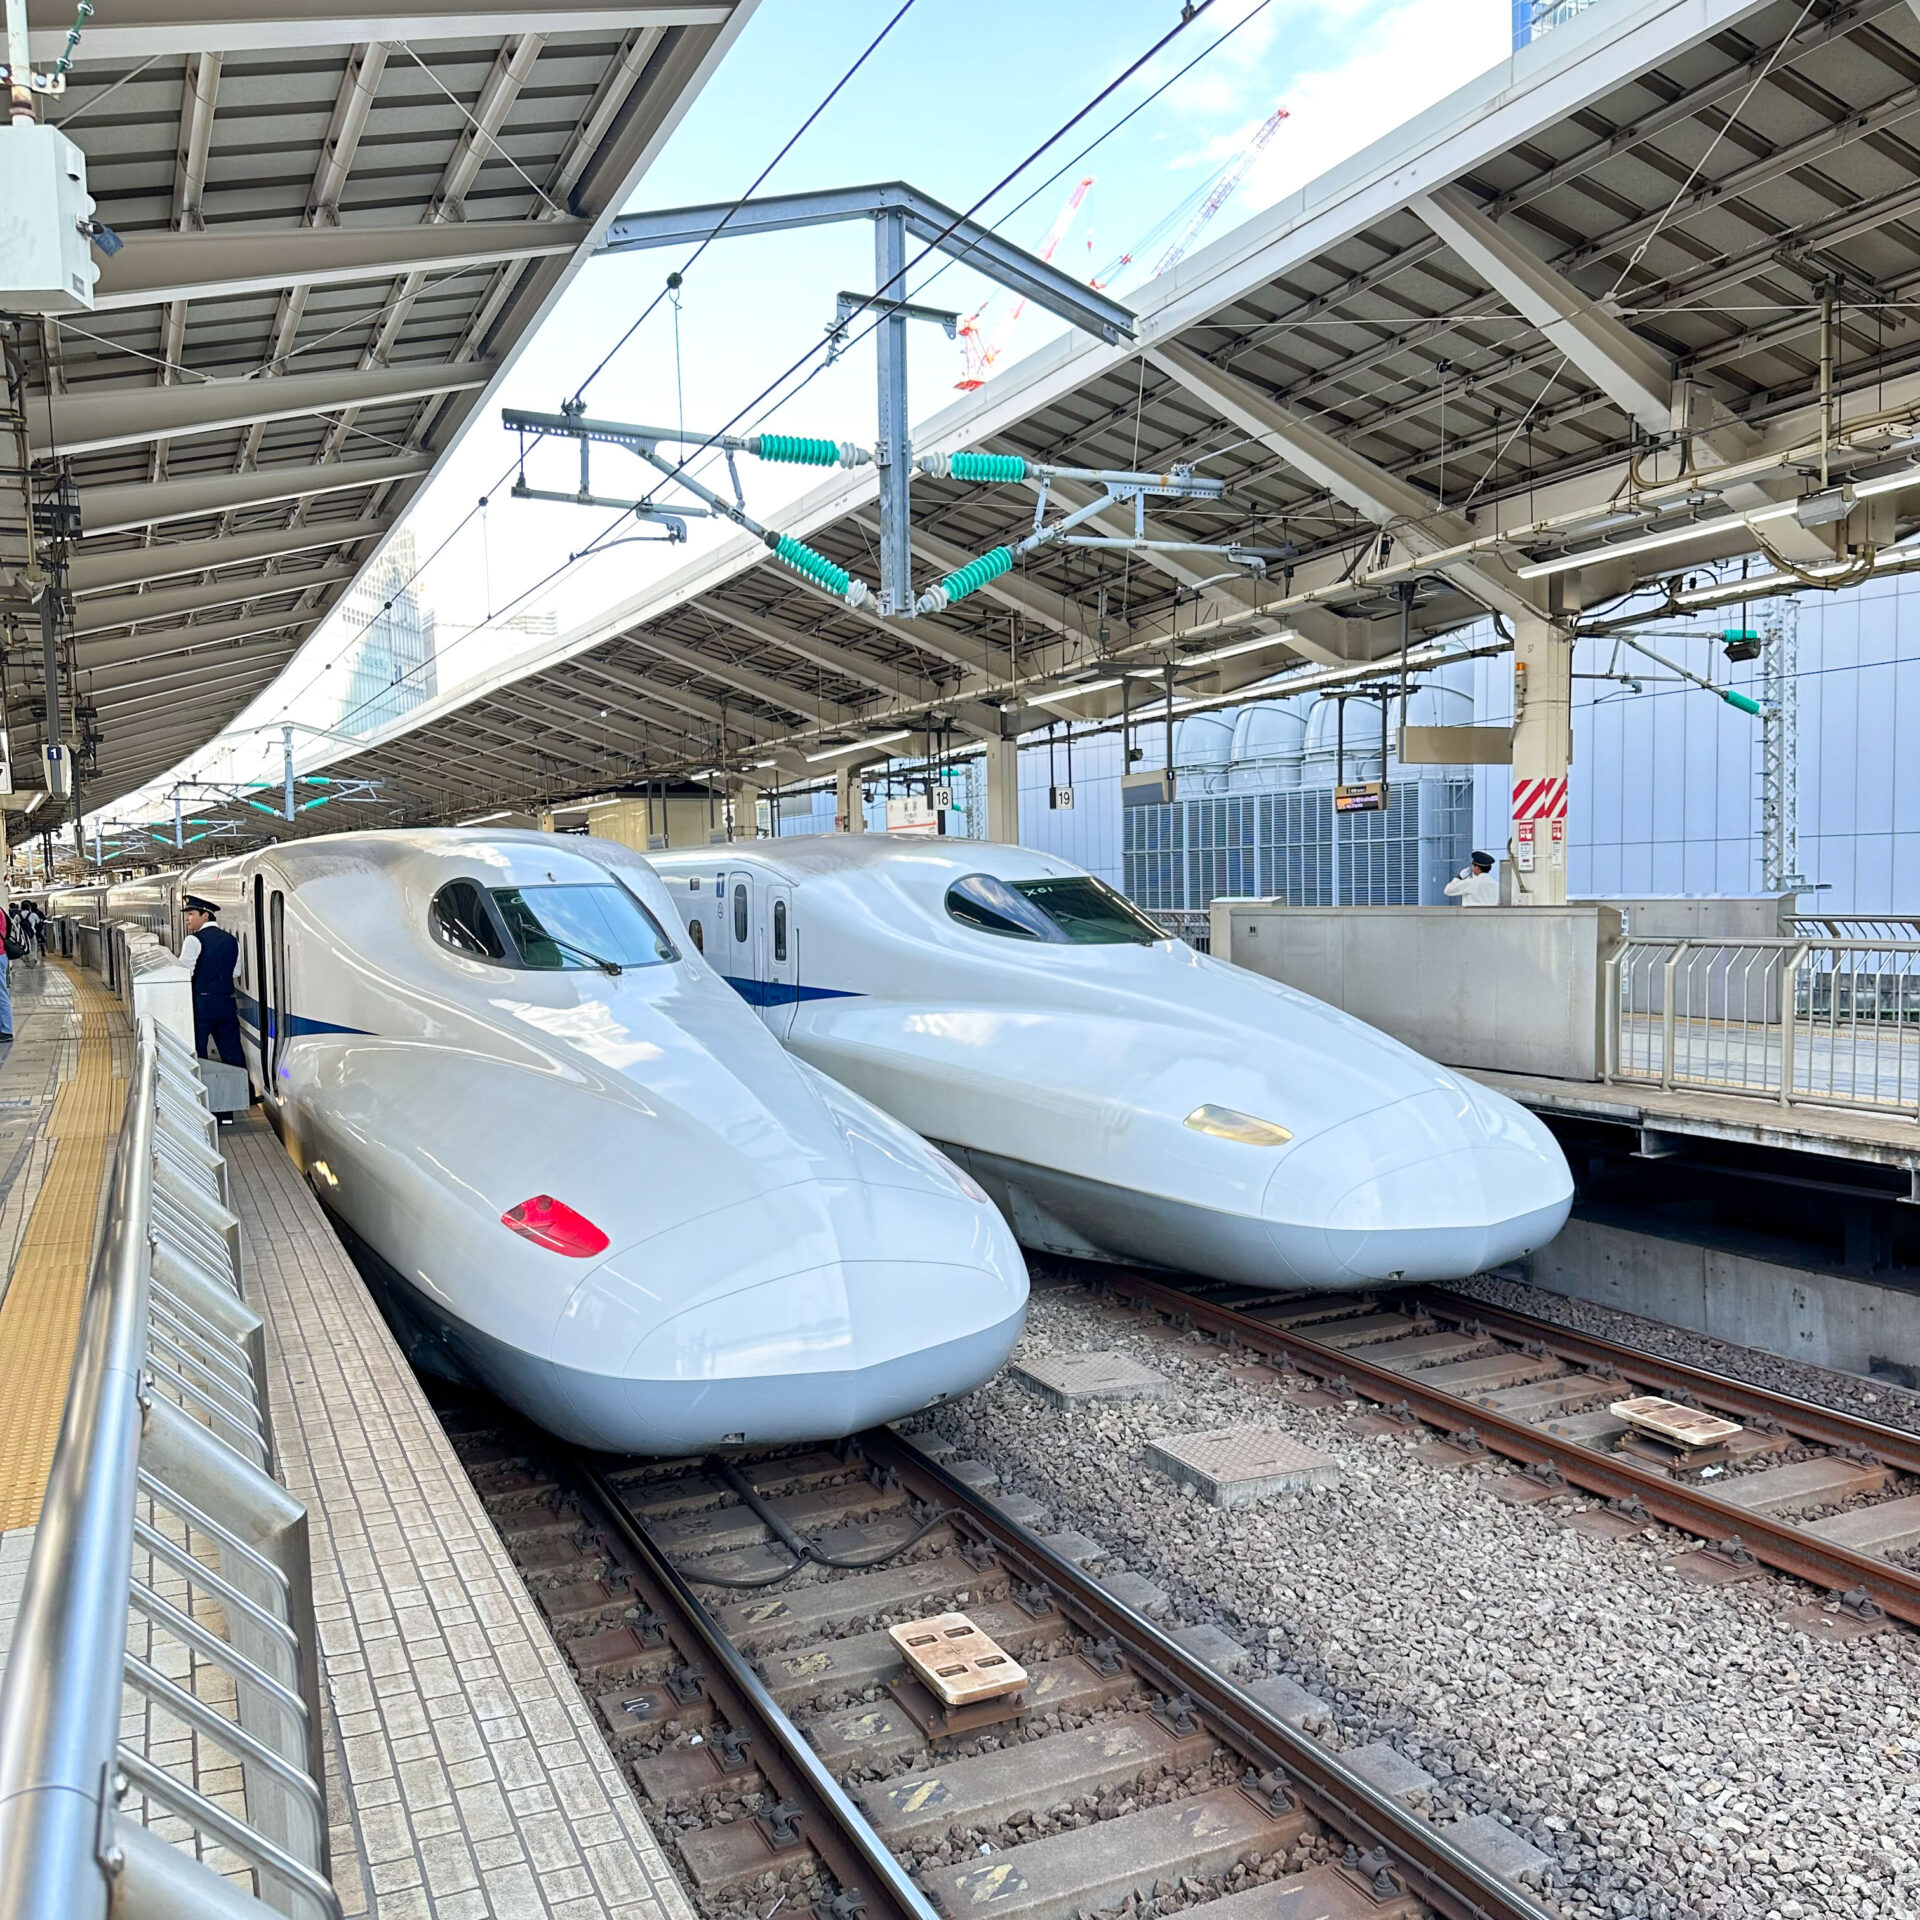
column 1675, row 1750
column 1882, row 1400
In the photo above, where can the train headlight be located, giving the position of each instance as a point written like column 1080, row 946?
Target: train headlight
column 1225, row 1123
column 552, row 1224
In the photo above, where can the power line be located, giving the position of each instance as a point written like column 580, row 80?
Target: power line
column 793, row 139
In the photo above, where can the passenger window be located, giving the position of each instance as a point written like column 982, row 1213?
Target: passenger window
column 779, row 929
column 739, row 913
column 699, row 937
column 461, row 919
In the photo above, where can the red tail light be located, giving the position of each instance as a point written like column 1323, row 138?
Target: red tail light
column 552, row 1224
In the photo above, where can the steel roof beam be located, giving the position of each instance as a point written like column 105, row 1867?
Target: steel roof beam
column 123, row 609
column 122, row 509
column 87, row 421
column 153, row 268
column 100, row 572
column 138, row 29
column 773, row 693
column 1636, row 378
column 195, row 671
column 1414, row 515
column 927, row 219
column 896, row 683
column 172, row 641
column 682, row 698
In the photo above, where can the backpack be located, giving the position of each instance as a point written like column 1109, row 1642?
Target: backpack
column 16, row 947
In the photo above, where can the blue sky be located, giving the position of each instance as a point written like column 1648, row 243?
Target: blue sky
column 954, row 98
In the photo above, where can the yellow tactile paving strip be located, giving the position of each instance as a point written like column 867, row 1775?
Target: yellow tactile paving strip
column 40, row 1316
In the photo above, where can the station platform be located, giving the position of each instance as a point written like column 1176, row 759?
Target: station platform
column 464, row 1775
column 1886, row 1139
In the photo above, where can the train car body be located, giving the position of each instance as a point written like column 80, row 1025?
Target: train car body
column 1121, row 1096
column 579, row 1170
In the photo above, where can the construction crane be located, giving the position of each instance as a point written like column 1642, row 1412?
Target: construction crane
column 979, row 353
column 1224, row 186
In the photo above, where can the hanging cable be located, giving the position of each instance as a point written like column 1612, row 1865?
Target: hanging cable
column 793, row 139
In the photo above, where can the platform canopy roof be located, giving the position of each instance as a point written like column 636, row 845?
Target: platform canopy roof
column 339, row 229
column 1559, row 336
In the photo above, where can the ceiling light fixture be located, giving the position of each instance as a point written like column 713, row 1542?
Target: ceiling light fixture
column 1280, row 639
column 1071, row 693
column 1653, row 542
column 857, row 746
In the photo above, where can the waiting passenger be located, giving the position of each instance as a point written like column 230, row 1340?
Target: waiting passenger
column 213, row 954
column 1477, row 886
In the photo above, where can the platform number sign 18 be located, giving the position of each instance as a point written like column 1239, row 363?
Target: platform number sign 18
column 943, row 799
column 1060, row 799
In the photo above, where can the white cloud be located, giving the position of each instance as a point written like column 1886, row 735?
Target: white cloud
column 1419, row 52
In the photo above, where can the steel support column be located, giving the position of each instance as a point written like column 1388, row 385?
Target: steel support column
column 893, row 452
column 1003, row 792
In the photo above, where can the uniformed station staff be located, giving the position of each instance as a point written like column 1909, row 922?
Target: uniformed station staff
column 214, row 956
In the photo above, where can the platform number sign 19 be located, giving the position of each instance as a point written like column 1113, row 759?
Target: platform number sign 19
column 1060, row 799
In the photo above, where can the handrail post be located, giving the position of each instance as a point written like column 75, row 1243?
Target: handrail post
column 1666, row 1012
column 1789, row 1014
column 60, row 1698
column 1610, row 1028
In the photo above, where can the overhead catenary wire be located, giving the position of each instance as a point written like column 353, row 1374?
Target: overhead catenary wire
column 759, row 180
column 1190, row 13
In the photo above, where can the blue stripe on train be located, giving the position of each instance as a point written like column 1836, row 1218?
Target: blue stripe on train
column 780, row 993
column 299, row 1025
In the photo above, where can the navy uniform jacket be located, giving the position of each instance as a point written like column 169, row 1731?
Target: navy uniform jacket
column 213, row 970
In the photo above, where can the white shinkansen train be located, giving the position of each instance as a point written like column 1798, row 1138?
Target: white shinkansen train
column 1121, row 1096
column 585, row 1174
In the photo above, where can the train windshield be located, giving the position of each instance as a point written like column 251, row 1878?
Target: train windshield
column 566, row 928
column 1075, row 911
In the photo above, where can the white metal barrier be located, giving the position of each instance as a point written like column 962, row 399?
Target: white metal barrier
column 168, row 1605
column 1813, row 1018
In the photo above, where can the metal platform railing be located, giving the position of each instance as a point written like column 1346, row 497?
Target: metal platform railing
column 160, row 1735
column 1194, row 925
column 1813, row 1019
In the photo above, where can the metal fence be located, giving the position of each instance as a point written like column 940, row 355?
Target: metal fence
column 1822, row 1020
column 160, row 1740
column 1292, row 846
column 1183, row 923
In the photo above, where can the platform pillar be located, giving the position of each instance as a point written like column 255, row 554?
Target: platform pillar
column 1003, row 792
column 849, row 809
column 1542, row 757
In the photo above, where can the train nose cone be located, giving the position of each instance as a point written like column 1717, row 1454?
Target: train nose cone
column 801, row 1314
column 1442, row 1184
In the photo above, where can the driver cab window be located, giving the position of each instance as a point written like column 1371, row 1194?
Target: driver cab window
column 462, row 918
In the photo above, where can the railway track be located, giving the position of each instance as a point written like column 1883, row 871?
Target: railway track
column 728, row 1620
column 1491, row 1381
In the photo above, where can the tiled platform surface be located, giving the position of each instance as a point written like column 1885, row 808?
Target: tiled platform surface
column 45, row 1052
column 466, row 1776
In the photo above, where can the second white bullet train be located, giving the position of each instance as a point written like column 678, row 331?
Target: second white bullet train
column 1121, row 1096
column 585, row 1174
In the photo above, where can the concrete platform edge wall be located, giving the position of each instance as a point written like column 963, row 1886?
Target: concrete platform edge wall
column 1797, row 1312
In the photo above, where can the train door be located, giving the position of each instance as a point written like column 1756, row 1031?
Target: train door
column 262, row 1015
column 282, row 998
column 779, row 968
column 737, row 919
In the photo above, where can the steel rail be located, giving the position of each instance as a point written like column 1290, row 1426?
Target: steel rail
column 1778, row 1543
column 885, row 1878
column 1803, row 1418
column 1447, row 1879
